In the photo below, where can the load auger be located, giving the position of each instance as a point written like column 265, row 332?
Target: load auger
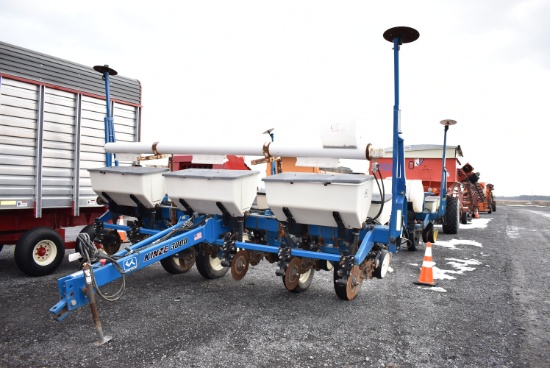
column 213, row 218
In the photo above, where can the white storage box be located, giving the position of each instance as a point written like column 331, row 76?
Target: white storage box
column 202, row 188
column 312, row 198
column 385, row 215
column 431, row 203
column 120, row 182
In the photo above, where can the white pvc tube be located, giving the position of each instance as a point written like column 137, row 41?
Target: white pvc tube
column 304, row 149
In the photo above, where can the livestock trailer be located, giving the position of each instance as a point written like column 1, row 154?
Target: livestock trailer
column 51, row 132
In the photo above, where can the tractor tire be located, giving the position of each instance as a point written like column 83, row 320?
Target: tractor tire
column 494, row 206
column 39, row 251
column 451, row 217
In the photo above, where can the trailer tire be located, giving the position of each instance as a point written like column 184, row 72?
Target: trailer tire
column 464, row 218
column 451, row 217
column 494, row 206
column 210, row 267
column 39, row 251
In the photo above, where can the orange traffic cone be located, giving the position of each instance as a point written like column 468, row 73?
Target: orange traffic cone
column 122, row 233
column 426, row 273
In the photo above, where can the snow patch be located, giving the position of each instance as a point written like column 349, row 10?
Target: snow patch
column 460, row 266
column 475, row 223
column 479, row 223
column 434, row 288
column 451, row 243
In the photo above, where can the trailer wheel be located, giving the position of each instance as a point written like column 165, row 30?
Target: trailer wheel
column 451, row 217
column 39, row 251
column 383, row 264
column 180, row 263
column 210, row 266
column 494, row 206
column 464, row 218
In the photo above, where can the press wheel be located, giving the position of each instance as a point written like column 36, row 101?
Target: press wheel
column 239, row 264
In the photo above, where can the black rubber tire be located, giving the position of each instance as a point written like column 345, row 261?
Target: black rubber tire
column 1, row 246
column 451, row 218
column 46, row 238
column 464, row 218
column 494, row 206
column 304, row 283
column 210, row 267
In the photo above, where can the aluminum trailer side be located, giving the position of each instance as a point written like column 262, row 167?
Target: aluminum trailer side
column 51, row 132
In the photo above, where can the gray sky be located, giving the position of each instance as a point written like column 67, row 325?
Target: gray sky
column 231, row 69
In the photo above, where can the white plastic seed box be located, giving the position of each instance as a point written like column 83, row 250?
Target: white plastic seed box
column 313, row 198
column 376, row 203
column 202, row 188
column 120, row 182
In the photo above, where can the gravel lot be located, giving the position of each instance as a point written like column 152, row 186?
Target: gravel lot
column 490, row 308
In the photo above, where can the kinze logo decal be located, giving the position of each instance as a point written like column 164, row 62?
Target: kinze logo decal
column 154, row 254
column 130, row 264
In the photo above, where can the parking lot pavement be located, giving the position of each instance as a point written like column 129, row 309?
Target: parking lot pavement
column 490, row 308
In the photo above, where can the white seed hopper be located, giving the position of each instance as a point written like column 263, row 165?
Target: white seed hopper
column 120, row 183
column 202, row 189
column 313, row 198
